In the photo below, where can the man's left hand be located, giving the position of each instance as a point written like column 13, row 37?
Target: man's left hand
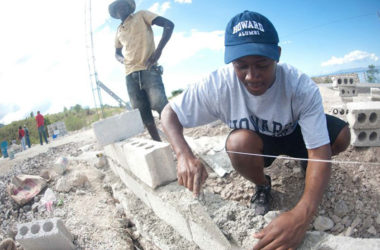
column 152, row 60
column 285, row 232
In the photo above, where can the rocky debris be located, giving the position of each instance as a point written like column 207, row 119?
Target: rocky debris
column 322, row 223
column 88, row 211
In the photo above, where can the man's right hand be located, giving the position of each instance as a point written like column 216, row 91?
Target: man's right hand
column 120, row 59
column 191, row 173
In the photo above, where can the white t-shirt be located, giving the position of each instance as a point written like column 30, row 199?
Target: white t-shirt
column 292, row 99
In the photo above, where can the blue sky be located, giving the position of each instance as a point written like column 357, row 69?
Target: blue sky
column 43, row 64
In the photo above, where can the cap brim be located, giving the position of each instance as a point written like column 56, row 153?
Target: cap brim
column 234, row 52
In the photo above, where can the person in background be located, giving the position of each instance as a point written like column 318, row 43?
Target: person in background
column 135, row 48
column 21, row 137
column 27, row 139
column 41, row 127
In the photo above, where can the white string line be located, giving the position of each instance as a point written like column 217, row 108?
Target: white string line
column 306, row 159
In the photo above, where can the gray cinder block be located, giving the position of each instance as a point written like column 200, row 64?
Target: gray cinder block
column 347, row 91
column 375, row 94
column 345, row 81
column 339, row 110
column 365, row 137
column 118, row 127
column 151, row 161
column 364, row 115
column 44, row 235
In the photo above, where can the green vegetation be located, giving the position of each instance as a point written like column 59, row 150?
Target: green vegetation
column 322, row 79
column 176, row 92
column 371, row 73
column 74, row 118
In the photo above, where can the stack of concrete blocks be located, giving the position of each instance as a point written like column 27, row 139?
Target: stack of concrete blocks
column 375, row 94
column 364, row 120
column 58, row 128
column 44, row 235
column 346, row 84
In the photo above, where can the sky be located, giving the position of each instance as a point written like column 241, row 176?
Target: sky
column 43, row 52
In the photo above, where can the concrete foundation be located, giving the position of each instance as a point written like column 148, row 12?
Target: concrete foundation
column 44, row 235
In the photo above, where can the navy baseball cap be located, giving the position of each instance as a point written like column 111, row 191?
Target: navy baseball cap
column 250, row 33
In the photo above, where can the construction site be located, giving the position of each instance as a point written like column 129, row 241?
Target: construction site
column 111, row 187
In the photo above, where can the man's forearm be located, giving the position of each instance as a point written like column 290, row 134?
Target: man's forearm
column 174, row 131
column 316, row 181
column 168, row 27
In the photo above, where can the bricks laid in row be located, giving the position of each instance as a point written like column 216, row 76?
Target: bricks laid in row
column 44, row 235
column 118, row 127
column 177, row 207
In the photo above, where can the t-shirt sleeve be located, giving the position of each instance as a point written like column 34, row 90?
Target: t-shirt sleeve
column 312, row 118
column 197, row 105
column 148, row 16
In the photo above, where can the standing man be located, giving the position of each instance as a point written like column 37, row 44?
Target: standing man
column 21, row 137
column 272, row 109
column 27, row 136
column 41, row 128
column 135, row 48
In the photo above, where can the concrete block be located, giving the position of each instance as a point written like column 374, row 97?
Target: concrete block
column 365, row 137
column 364, row 115
column 118, row 127
column 340, row 81
column 347, row 91
column 339, row 111
column 375, row 94
column 115, row 152
column 151, row 161
column 44, row 234
column 135, row 186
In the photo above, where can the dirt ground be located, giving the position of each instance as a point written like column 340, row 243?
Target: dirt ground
column 97, row 220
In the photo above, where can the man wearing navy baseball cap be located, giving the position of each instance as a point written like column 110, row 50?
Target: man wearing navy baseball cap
column 273, row 109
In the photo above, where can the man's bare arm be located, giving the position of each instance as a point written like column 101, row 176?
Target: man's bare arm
column 190, row 171
column 167, row 33
column 288, row 230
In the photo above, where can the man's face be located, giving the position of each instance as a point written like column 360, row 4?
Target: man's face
column 123, row 10
column 257, row 73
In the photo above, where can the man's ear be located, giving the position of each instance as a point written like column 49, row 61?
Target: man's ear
column 279, row 52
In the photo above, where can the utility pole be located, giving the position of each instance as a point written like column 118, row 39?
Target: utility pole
column 91, row 58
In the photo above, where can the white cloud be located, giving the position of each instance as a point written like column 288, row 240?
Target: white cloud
column 43, row 59
column 182, row 1
column 182, row 45
column 286, row 42
column 353, row 56
column 158, row 8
